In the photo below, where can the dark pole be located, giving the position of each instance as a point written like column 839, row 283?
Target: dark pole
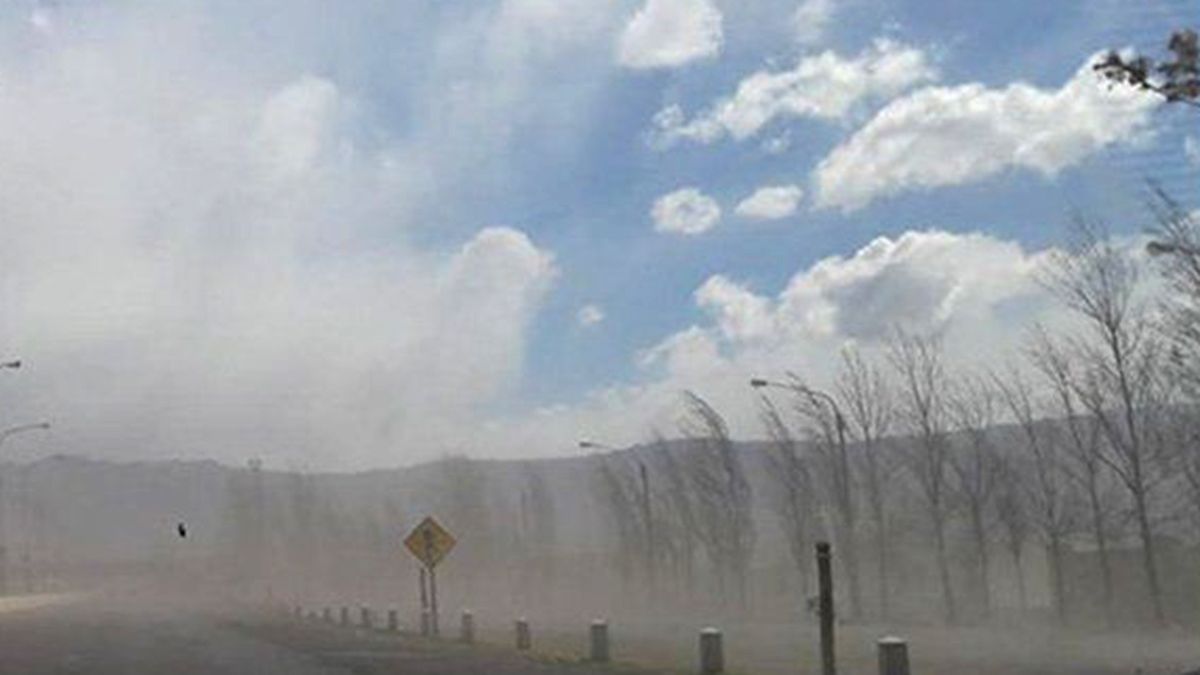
column 424, row 604
column 433, row 605
column 825, row 607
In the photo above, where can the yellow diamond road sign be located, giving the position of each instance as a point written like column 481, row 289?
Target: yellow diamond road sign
column 429, row 542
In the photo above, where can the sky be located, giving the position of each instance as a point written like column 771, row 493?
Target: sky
column 371, row 234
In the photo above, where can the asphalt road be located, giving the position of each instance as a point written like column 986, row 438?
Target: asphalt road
column 102, row 637
column 86, row 638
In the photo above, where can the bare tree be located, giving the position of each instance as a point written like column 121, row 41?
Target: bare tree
column 1176, row 79
column 723, row 495
column 1047, row 498
column 614, row 490
column 1013, row 516
column 679, row 512
column 826, row 427
column 1119, row 384
column 1083, row 462
column 1176, row 248
column 917, row 360
column 795, row 500
column 973, row 405
column 870, row 407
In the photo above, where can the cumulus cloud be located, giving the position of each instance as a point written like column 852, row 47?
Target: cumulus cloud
column 685, row 211
column 771, row 202
column 670, row 33
column 589, row 316
column 811, row 20
column 939, row 136
column 823, row 86
column 1191, row 150
column 978, row 290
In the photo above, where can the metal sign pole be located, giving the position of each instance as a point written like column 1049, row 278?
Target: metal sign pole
column 433, row 604
column 424, row 604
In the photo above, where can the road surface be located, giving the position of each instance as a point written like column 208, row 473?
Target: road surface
column 101, row 637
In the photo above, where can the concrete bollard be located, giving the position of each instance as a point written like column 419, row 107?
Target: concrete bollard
column 364, row 614
column 344, row 616
column 467, row 630
column 327, row 615
column 599, row 641
column 524, row 639
column 893, row 656
column 393, row 621
column 712, row 656
column 425, row 624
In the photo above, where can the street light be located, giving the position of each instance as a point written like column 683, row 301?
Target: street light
column 1160, row 248
column 838, row 420
column 14, row 364
column 842, row 486
column 4, row 435
column 21, row 428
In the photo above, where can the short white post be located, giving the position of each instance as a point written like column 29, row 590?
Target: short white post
column 467, row 631
column 712, row 657
column 344, row 616
column 599, row 641
column 524, row 639
column 893, row 656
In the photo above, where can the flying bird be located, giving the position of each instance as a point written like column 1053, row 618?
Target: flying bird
column 182, row 530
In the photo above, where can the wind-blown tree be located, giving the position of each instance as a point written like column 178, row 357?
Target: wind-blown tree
column 1037, row 487
column 976, row 467
column 870, row 410
column 1013, row 517
column 794, row 495
column 1082, row 461
column 917, row 360
column 723, row 495
column 613, row 487
column 826, row 428
column 1119, row 360
column 541, row 521
column 1176, row 249
column 680, row 512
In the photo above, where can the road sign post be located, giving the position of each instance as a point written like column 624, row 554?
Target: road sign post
column 429, row 543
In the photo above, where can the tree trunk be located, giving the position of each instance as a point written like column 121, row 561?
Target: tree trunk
column 980, row 535
column 1057, row 580
column 939, row 535
column 1102, row 550
column 1148, row 557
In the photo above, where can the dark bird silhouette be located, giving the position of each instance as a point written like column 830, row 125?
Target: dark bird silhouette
column 182, row 529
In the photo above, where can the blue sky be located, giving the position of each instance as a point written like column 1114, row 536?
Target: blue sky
column 362, row 234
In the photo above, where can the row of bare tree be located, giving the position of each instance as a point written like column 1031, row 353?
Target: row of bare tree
column 1087, row 437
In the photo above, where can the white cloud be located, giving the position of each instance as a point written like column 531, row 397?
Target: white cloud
column 811, row 20
column 1191, row 150
column 231, row 241
column 670, row 33
column 589, row 316
column 941, row 136
column 685, row 211
column 823, row 86
column 978, row 290
column 771, row 202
